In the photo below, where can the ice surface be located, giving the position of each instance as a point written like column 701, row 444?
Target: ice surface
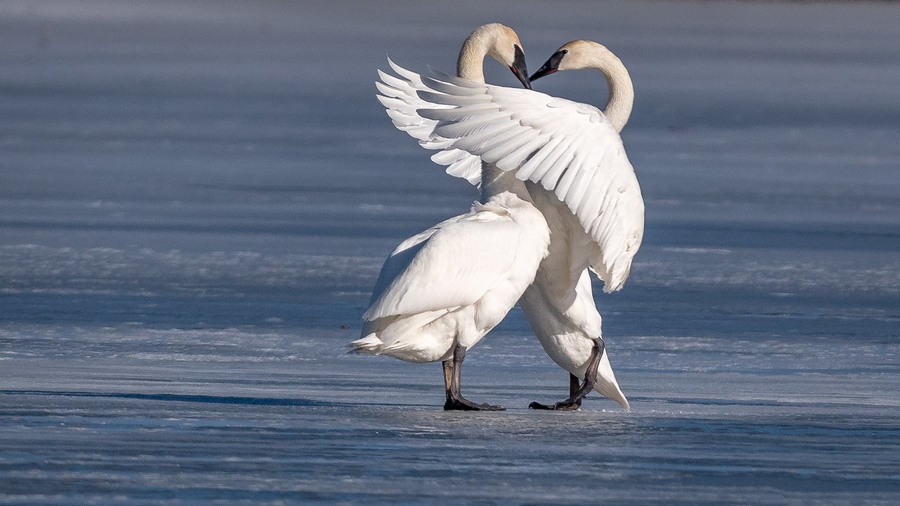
column 196, row 197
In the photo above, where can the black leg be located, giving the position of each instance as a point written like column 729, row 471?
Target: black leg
column 452, row 385
column 578, row 392
column 574, row 386
column 448, row 377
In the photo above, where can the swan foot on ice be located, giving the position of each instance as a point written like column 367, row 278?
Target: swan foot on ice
column 463, row 404
column 452, row 382
column 578, row 392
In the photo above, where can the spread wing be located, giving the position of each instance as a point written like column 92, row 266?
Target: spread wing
column 568, row 148
column 399, row 96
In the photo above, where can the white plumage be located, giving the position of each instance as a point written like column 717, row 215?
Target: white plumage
column 577, row 173
column 454, row 282
column 442, row 290
column 568, row 148
column 401, row 102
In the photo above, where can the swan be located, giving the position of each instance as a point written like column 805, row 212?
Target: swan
column 440, row 291
column 574, row 164
column 564, row 329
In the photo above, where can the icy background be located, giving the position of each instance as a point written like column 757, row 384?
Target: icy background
column 196, row 197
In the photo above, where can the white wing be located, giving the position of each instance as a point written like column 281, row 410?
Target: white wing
column 450, row 265
column 399, row 97
column 568, row 148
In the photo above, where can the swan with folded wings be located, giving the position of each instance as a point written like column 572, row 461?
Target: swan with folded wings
column 442, row 290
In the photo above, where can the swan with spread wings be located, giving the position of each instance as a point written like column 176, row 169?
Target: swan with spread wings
column 573, row 162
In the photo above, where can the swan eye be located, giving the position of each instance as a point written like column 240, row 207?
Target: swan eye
column 557, row 58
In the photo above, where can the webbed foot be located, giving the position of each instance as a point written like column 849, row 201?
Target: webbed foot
column 577, row 392
column 452, row 380
column 566, row 405
column 463, row 404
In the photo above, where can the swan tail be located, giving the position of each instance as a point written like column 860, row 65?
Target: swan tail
column 370, row 344
column 607, row 384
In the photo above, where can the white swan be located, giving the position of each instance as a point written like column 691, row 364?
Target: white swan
column 565, row 328
column 578, row 176
column 442, row 290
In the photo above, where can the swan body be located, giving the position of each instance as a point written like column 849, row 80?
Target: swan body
column 454, row 282
column 564, row 328
column 576, row 171
column 442, row 290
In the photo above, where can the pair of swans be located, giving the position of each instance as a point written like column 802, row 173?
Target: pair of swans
column 558, row 197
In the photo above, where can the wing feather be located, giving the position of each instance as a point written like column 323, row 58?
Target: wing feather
column 522, row 153
column 568, row 148
column 536, row 162
column 398, row 94
column 557, row 160
column 464, row 127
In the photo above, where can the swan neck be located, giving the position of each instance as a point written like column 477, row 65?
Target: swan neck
column 495, row 181
column 621, row 89
column 470, row 64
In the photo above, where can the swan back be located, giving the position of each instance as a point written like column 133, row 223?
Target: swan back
column 455, row 281
column 456, row 262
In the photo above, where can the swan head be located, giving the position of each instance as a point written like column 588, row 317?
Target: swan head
column 587, row 54
column 502, row 44
column 507, row 49
column 575, row 55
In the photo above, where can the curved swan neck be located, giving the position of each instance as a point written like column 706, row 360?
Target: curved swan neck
column 587, row 54
column 621, row 89
column 495, row 181
column 470, row 65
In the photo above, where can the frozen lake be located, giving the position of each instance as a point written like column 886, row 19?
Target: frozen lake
column 196, row 197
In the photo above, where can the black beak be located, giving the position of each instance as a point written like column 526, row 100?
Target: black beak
column 520, row 69
column 550, row 66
